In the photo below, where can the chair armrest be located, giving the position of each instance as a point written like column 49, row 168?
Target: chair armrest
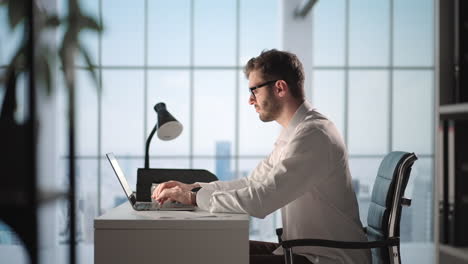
column 392, row 241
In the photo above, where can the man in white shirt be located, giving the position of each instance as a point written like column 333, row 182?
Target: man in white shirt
column 306, row 175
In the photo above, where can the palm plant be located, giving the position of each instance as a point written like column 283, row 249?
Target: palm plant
column 35, row 57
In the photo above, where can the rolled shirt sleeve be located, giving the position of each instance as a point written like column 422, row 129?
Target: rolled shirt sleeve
column 301, row 166
column 224, row 185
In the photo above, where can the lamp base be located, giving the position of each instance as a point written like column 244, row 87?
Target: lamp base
column 146, row 177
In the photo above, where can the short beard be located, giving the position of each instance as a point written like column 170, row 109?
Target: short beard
column 271, row 108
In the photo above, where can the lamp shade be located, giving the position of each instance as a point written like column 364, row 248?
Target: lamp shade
column 168, row 127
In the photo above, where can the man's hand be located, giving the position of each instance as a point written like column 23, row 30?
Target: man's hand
column 175, row 194
column 174, row 191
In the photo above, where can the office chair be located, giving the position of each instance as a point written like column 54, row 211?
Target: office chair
column 383, row 218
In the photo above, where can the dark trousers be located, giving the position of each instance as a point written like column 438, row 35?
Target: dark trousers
column 262, row 253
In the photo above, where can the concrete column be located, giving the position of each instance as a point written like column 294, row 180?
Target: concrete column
column 296, row 37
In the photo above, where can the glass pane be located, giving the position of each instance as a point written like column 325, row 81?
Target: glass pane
column 328, row 95
column 414, row 33
column 62, row 116
column 11, row 39
column 172, row 163
column 369, row 33
column 364, row 172
column 53, row 232
column 214, row 118
column 208, row 164
column 12, row 249
column 260, row 229
column 413, row 110
column 122, row 112
column 255, row 136
column 418, row 252
column 329, row 38
column 122, row 40
column 214, row 30
column 416, row 222
column 88, row 38
column 54, row 218
column 265, row 229
column 112, row 194
column 169, row 32
column 416, row 225
column 247, row 165
column 58, row 229
column 86, row 114
column 86, row 207
column 259, row 27
column 368, row 112
column 173, row 89
column 223, row 168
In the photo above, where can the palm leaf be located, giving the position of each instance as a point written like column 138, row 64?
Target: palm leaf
column 87, row 22
column 16, row 12
column 89, row 62
column 52, row 21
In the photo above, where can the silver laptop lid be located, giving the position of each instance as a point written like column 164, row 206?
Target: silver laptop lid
column 121, row 177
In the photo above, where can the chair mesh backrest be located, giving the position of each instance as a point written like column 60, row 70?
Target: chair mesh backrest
column 382, row 199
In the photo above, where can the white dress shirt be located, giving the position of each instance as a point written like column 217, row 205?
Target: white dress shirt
column 307, row 176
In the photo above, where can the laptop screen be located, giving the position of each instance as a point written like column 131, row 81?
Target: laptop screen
column 120, row 175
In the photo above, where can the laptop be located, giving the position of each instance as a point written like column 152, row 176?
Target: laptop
column 143, row 206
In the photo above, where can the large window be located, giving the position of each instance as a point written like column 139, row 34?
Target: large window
column 190, row 55
column 373, row 75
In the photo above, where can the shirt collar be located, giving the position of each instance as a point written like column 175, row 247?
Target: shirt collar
column 297, row 118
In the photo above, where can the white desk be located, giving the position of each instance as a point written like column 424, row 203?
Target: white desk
column 123, row 235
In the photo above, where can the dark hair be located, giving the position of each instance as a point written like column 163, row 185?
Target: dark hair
column 279, row 65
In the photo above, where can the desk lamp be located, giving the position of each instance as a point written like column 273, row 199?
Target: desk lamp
column 167, row 126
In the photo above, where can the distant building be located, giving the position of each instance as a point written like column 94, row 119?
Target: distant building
column 223, row 160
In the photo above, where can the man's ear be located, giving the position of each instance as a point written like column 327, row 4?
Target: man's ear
column 282, row 88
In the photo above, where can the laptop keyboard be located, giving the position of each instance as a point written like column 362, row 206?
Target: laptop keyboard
column 148, row 206
column 145, row 206
column 174, row 205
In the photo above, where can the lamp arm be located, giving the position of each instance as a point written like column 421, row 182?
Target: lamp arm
column 148, row 141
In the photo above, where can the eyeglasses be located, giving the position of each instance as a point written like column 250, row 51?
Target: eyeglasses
column 252, row 89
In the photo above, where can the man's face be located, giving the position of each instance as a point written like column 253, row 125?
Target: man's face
column 264, row 100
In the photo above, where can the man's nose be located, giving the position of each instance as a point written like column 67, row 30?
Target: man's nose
column 251, row 99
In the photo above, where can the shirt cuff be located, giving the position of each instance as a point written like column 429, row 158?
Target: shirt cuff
column 204, row 198
column 205, row 185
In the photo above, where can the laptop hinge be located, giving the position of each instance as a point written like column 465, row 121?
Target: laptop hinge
column 133, row 198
